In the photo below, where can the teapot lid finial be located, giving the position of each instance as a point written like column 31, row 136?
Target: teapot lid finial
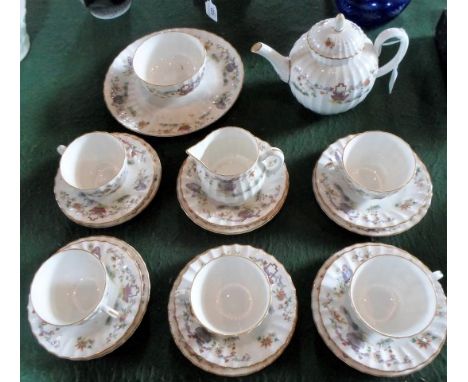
column 336, row 38
column 339, row 22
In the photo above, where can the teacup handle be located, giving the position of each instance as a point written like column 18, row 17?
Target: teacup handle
column 273, row 152
column 437, row 275
column 61, row 149
column 111, row 312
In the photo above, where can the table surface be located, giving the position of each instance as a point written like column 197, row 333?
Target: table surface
column 61, row 98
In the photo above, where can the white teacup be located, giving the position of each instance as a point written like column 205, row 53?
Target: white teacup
column 170, row 63
column 72, row 287
column 230, row 295
column 94, row 163
column 230, row 166
column 392, row 296
column 377, row 164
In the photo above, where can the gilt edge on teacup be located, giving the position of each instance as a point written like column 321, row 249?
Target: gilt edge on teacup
column 202, row 362
column 367, row 191
column 251, row 327
column 371, row 329
column 324, row 331
column 178, row 88
column 101, row 304
column 110, row 185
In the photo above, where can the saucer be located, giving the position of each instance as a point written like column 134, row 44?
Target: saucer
column 247, row 353
column 373, row 217
column 137, row 191
column 95, row 339
column 132, row 105
column 231, row 220
column 379, row 356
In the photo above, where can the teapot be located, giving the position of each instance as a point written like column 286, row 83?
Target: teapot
column 333, row 66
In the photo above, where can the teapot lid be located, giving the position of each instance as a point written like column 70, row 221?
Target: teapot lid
column 336, row 38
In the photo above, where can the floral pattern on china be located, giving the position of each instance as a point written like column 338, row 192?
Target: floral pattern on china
column 376, row 355
column 250, row 348
column 395, row 209
column 91, row 339
column 143, row 175
column 219, row 88
column 260, row 207
column 333, row 66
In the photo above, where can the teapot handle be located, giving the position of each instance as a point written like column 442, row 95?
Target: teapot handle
column 392, row 65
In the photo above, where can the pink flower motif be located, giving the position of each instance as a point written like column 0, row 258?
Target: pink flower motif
column 98, row 211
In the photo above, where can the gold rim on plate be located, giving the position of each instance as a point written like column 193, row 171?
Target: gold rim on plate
column 367, row 231
column 316, row 287
column 201, row 363
column 144, row 202
column 145, row 293
column 229, row 230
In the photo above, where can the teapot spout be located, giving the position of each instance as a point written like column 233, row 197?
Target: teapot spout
column 280, row 63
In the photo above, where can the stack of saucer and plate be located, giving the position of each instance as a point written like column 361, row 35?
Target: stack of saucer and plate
column 106, row 179
column 233, row 310
column 380, row 310
column 372, row 184
column 232, row 182
column 99, row 288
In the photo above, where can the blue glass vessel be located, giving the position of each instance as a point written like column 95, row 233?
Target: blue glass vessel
column 371, row 13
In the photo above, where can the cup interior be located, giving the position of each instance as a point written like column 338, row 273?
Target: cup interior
column 393, row 296
column 68, row 287
column 230, row 295
column 168, row 58
column 92, row 160
column 230, row 151
column 379, row 161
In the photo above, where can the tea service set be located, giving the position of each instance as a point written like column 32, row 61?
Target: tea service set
column 233, row 309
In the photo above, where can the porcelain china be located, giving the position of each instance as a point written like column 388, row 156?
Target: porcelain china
column 391, row 296
column 130, row 103
column 246, row 353
column 333, row 66
column 94, row 164
column 231, row 220
column 230, row 295
column 373, row 217
column 170, row 63
column 136, row 192
column 379, row 355
column 230, row 166
column 72, row 287
column 96, row 338
column 378, row 164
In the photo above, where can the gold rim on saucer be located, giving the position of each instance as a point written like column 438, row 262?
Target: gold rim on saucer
column 201, row 363
column 319, row 323
column 145, row 292
column 387, row 230
column 143, row 203
column 229, row 229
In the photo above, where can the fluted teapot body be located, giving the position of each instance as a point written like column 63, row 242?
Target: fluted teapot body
column 333, row 66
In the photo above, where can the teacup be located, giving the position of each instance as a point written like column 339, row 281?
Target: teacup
column 378, row 164
column 230, row 166
column 170, row 63
column 230, row 295
column 72, row 287
column 391, row 296
column 94, row 163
